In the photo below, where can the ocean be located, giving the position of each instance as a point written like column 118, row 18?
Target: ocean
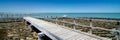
column 39, row 15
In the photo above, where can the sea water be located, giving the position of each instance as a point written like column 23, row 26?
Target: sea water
column 39, row 15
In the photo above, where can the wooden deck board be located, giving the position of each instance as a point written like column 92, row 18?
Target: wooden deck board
column 57, row 30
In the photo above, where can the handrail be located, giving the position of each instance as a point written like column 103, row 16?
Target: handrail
column 111, row 30
column 84, row 25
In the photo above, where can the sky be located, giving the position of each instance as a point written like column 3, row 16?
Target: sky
column 60, row 6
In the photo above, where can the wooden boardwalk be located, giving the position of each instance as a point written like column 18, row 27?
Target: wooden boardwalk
column 58, row 32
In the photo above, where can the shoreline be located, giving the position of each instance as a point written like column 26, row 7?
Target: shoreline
column 2, row 20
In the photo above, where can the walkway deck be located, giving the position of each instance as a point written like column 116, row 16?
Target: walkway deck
column 59, row 31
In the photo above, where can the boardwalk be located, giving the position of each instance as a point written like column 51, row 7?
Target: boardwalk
column 58, row 32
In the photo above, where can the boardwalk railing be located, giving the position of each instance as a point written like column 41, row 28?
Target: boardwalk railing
column 113, row 31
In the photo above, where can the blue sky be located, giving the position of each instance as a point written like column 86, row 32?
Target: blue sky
column 60, row 6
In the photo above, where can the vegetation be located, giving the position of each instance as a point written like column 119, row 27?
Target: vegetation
column 3, row 34
column 11, row 28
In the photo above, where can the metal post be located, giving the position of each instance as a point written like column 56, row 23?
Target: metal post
column 40, row 35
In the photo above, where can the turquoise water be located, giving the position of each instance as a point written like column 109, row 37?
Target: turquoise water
column 100, row 15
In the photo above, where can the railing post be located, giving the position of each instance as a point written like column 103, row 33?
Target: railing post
column 56, row 20
column 63, row 23
column 74, row 27
column 90, row 26
column 40, row 35
column 118, row 28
